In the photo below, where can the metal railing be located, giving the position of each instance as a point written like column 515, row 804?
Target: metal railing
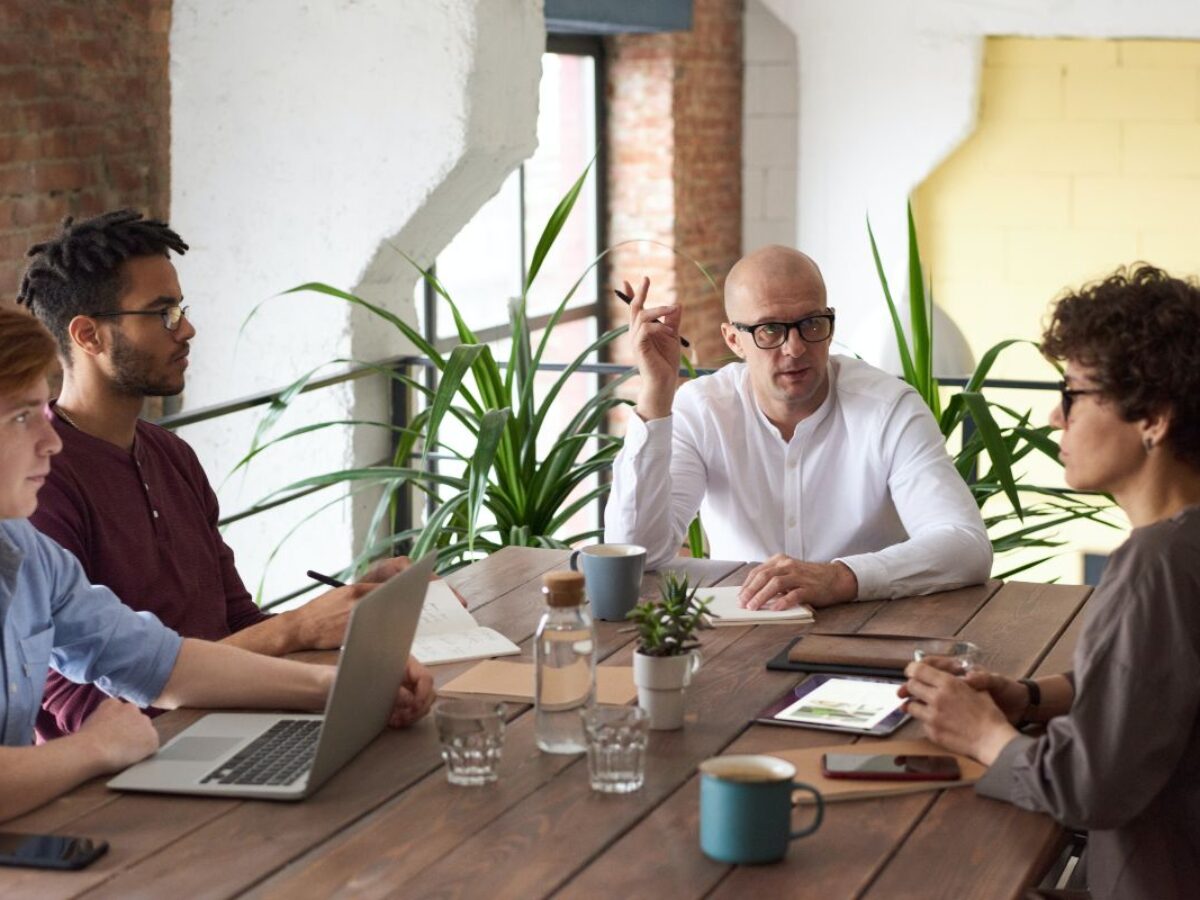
column 402, row 409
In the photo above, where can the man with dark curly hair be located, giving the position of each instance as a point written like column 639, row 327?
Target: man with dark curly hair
column 1120, row 756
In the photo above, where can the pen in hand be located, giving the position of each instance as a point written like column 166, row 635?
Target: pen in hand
column 325, row 579
column 629, row 299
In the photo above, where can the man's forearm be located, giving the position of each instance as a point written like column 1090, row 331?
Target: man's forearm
column 276, row 636
column 217, row 675
column 31, row 776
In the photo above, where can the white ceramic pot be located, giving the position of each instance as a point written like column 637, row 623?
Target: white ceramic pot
column 661, row 682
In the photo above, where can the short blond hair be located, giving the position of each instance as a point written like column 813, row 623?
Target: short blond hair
column 27, row 350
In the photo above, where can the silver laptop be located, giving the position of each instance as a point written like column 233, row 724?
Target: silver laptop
column 272, row 756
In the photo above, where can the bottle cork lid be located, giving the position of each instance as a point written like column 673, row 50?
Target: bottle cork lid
column 563, row 588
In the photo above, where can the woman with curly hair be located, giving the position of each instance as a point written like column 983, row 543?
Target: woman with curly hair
column 1120, row 755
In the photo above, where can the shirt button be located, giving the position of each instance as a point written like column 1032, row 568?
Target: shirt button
column 146, row 486
column 155, row 513
column 792, row 522
column 12, row 687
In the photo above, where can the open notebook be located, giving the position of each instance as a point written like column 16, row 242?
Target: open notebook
column 448, row 633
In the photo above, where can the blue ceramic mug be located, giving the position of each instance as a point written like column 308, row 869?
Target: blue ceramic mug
column 746, row 808
column 613, row 573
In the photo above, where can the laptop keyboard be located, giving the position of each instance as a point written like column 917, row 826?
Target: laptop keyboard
column 276, row 757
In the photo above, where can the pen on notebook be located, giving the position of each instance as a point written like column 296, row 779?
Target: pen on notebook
column 325, row 579
column 629, row 299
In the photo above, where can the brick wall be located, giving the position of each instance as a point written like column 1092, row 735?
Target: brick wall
column 84, row 116
column 675, row 133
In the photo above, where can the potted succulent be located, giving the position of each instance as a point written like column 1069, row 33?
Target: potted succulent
column 666, row 656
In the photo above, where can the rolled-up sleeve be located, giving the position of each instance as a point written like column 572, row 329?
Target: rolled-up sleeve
column 97, row 639
column 947, row 542
column 658, row 483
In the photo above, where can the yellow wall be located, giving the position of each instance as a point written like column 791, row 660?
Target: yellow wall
column 1086, row 156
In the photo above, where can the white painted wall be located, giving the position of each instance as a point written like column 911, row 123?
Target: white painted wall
column 769, row 135
column 308, row 139
column 887, row 88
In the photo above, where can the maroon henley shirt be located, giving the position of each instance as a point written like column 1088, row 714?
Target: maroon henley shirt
column 143, row 522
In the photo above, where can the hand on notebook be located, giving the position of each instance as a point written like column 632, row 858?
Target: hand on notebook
column 119, row 733
column 383, row 569
column 956, row 715
column 415, row 696
column 783, row 582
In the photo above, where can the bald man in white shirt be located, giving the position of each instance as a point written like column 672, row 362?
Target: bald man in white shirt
column 830, row 470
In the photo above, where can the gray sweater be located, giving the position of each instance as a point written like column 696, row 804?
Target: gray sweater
column 1124, row 763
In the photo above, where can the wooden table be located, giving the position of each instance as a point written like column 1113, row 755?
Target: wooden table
column 389, row 824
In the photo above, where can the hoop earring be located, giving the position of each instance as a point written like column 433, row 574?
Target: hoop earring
column 1148, row 444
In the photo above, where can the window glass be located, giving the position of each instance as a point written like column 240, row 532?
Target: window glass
column 566, row 144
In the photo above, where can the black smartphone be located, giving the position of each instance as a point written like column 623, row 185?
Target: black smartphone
column 886, row 767
column 49, row 851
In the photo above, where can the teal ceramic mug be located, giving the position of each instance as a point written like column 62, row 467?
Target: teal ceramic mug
column 746, row 808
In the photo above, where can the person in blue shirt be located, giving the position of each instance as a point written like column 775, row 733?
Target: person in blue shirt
column 52, row 617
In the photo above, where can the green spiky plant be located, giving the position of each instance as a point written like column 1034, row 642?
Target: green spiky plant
column 529, row 497
column 667, row 627
column 996, row 438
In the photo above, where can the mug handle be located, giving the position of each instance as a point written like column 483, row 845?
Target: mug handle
column 571, row 561
column 817, row 816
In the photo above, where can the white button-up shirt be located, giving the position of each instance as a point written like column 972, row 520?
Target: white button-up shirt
column 865, row 480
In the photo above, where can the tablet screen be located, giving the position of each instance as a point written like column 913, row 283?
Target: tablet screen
column 841, row 702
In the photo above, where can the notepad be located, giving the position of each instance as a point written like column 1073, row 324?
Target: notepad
column 723, row 609
column 514, row 681
column 448, row 633
column 808, row 769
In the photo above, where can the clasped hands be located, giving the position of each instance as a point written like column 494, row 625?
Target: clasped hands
column 972, row 714
column 783, row 582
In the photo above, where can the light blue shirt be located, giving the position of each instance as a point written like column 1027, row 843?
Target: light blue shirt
column 51, row 616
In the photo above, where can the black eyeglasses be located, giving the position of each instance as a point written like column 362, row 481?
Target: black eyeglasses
column 769, row 335
column 171, row 315
column 1069, row 395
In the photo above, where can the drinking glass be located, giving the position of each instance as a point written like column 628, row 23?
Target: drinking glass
column 472, row 737
column 965, row 654
column 616, row 747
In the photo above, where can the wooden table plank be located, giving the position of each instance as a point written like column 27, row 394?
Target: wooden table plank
column 1061, row 657
column 391, row 823
column 373, row 858
column 103, row 812
column 841, row 857
column 512, row 859
column 494, row 576
column 239, row 841
column 1019, row 626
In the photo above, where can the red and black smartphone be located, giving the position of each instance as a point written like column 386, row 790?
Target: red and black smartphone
column 886, row 767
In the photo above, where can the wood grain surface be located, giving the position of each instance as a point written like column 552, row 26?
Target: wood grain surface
column 389, row 824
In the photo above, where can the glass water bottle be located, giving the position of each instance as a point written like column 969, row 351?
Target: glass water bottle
column 565, row 662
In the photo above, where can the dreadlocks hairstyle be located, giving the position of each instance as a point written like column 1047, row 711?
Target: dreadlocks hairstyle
column 78, row 273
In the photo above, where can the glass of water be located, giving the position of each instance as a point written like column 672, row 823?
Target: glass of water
column 472, row 737
column 964, row 654
column 616, row 747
